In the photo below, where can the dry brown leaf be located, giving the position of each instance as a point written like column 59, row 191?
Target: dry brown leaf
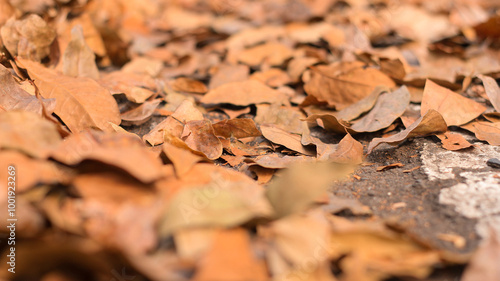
column 455, row 109
column 492, row 90
column 200, row 136
column 243, row 93
column 182, row 159
column 355, row 110
column 329, row 122
column 298, row 247
column 12, row 96
column 40, row 172
column 221, row 202
column 231, row 258
column 136, row 87
column 275, row 161
column 373, row 252
column 268, row 53
column 184, row 84
column 111, row 211
column 116, row 149
column 140, row 114
column 453, row 141
column 297, row 66
column 343, row 84
column 284, row 117
column 387, row 109
column 81, row 103
column 288, row 140
column 78, row 59
column 237, row 128
column 489, row 132
column 169, row 126
column 28, row 38
column 273, row 77
column 228, row 73
column 390, row 166
column 348, row 151
column 299, row 186
column 484, row 263
column 432, row 122
column 28, row 132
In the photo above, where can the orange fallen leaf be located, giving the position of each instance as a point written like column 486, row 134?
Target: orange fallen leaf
column 455, row 109
column 237, row 128
column 231, row 258
column 124, row 151
column 453, row 141
column 81, row 103
column 78, row 58
column 489, row 132
column 492, row 90
column 182, row 159
column 184, row 84
column 343, row 84
column 28, row 132
column 12, row 96
column 200, row 136
column 484, row 262
column 269, row 53
column 348, row 151
column 243, row 93
column 388, row 107
column 140, row 114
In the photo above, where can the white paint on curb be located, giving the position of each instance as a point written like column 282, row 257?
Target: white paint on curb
column 479, row 196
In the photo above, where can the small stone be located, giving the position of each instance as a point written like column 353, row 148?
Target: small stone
column 494, row 163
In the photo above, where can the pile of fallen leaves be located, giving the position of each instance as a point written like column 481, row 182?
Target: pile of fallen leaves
column 197, row 140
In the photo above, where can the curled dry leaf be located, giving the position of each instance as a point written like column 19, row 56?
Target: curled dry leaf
column 348, row 151
column 237, row 128
column 492, row 90
column 78, row 59
column 81, row 103
column 343, row 84
column 243, row 93
column 453, row 141
column 28, row 132
column 329, row 122
column 28, row 38
column 116, row 149
column 200, row 136
column 387, row 109
column 355, row 110
column 12, row 96
column 455, row 109
column 432, row 122
column 140, row 114
column 390, row 166
column 282, row 137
